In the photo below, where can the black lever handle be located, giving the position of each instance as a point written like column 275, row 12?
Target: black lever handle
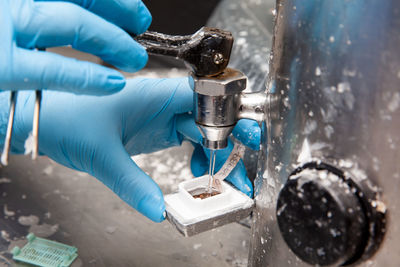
column 206, row 52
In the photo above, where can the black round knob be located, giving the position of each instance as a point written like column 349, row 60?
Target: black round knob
column 321, row 218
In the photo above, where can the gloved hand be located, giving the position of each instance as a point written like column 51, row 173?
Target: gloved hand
column 99, row 134
column 247, row 131
column 92, row 26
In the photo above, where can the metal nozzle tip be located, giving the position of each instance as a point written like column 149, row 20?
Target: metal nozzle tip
column 220, row 144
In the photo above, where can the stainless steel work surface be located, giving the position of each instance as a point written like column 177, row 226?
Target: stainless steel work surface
column 76, row 209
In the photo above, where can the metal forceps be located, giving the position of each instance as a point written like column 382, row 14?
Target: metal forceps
column 35, row 126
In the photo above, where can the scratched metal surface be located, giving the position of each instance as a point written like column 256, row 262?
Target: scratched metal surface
column 76, row 209
column 335, row 72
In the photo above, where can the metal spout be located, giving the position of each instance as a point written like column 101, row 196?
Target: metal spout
column 219, row 103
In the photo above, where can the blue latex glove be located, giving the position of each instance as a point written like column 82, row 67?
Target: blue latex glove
column 247, row 131
column 92, row 26
column 98, row 135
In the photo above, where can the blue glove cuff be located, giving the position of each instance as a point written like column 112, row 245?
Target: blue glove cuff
column 4, row 109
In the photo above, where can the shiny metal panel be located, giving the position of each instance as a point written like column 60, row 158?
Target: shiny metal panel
column 335, row 71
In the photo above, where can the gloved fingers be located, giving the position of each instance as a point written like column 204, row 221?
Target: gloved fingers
column 118, row 171
column 186, row 126
column 199, row 162
column 60, row 23
column 183, row 98
column 131, row 15
column 48, row 70
column 167, row 95
column 248, row 132
column 238, row 176
column 6, row 27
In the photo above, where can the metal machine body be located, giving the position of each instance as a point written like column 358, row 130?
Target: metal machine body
column 328, row 171
column 215, row 105
column 219, row 102
column 333, row 136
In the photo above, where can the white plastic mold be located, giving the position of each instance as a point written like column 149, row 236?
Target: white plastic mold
column 194, row 215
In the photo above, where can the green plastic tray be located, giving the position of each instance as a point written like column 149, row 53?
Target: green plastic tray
column 42, row 252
